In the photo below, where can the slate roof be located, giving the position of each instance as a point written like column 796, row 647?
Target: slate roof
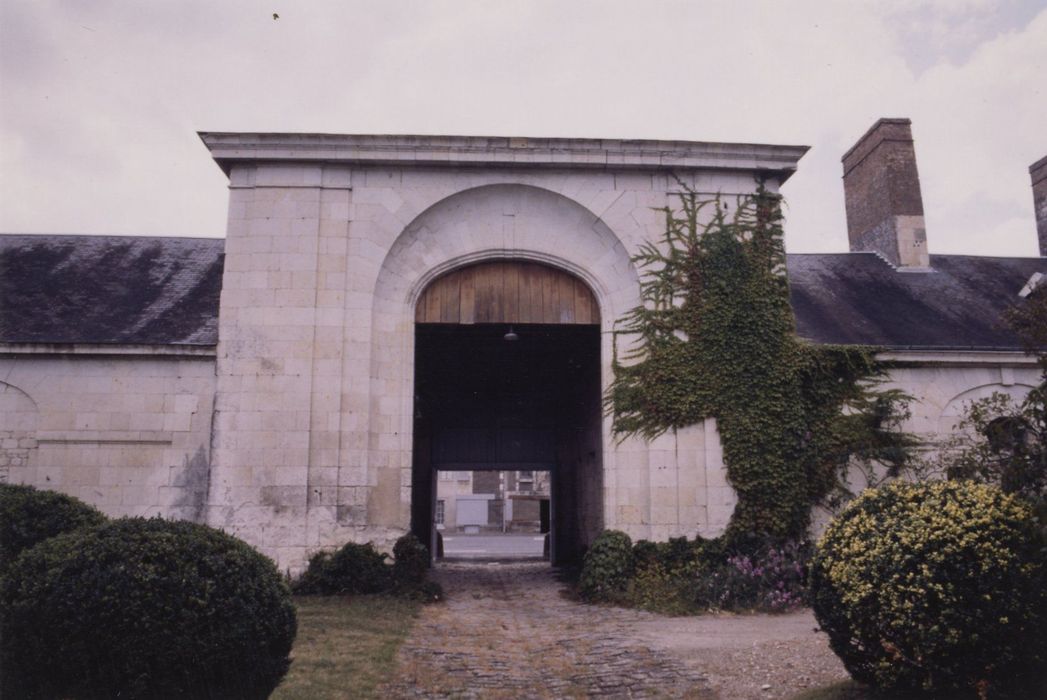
column 109, row 289
column 164, row 291
column 859, row 298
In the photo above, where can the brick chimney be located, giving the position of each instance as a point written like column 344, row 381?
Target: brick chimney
column 882, row 191
column 1038, row 171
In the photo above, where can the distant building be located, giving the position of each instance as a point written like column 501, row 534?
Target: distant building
column 385, row 309
column 505, row 501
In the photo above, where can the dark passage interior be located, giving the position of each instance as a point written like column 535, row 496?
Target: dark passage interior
column 485, row 403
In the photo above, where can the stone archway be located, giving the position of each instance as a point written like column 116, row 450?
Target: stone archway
column 487, row 224
column 488, row 403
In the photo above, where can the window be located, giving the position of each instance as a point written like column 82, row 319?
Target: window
column 440, row 512
column 526, row 480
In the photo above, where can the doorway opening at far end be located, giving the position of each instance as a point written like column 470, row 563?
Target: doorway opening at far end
column 508, row 414
column 485, row 515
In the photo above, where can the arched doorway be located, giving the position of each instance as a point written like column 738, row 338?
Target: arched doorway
column 507, row 380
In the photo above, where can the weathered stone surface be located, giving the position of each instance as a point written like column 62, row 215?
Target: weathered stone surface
column 129, row 434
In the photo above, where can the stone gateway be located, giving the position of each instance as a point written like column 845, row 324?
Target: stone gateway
column 299, row 383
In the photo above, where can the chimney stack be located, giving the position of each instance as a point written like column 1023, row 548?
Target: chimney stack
column 882, row 193
column 1038, row 171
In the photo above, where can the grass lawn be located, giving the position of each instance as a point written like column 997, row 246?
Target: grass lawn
column 345, row 646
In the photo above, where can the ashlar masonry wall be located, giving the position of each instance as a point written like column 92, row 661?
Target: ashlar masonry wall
column 330, row 242
column 943, row 385
column 129, row 433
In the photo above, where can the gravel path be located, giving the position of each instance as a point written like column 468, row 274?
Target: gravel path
column 507, row 631
column 749, row 657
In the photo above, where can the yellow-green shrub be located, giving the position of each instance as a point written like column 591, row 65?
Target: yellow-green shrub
column 936, row 587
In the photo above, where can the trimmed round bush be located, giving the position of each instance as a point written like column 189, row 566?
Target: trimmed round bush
column 355, row 568
column 607, row 567
column 140, row 608
column 29, row 516
column 410, row 562
column 938, row 588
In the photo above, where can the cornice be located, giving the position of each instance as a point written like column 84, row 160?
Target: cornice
column 957, row 358
column 229, row 148
column 106, row 350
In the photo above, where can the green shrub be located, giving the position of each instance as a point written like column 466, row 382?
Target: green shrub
column 141, row 608
column 646, row 554
column 682, row 577
column 29, row 516
column 314, row 580
column 607, row 567
column 680, row 555
column 360, row 568
column 355, row 568
column 935, row 587
column 410, row 562
column 716, row 551
column 659, row 590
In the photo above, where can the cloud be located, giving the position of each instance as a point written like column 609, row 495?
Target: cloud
column 935, row 31
column 987, row 121
column 102, row 100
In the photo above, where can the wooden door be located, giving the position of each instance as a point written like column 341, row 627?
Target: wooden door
column 507, row 291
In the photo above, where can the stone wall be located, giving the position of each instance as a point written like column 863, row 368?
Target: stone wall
column 685, row 491
column 18, row 420
column 128, row 434
column 324, row 261
column 943, row 384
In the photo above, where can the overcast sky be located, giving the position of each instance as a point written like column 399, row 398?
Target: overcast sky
column 100, row 102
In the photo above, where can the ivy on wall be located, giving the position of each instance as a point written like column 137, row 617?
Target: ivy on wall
column 715, row 336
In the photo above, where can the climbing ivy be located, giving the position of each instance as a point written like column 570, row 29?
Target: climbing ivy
column 715, row 337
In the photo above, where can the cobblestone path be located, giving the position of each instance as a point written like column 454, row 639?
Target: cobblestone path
column 507, row 632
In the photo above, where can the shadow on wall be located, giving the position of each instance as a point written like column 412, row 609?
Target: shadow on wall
column 190, row 482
